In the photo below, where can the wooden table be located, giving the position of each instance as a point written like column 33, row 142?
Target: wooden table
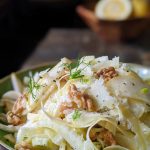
column 72, row 43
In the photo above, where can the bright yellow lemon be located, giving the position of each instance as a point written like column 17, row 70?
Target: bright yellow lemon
column 113, row 9
column 140, row 8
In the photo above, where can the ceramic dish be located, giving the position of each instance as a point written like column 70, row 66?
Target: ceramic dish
column 5, row 85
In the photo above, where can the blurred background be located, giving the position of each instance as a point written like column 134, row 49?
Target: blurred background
column 33, row 32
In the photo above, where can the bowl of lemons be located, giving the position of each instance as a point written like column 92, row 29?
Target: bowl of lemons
column 116, row 20
column 122, row 9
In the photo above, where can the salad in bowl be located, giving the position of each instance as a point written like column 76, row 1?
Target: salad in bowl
column 90, row 104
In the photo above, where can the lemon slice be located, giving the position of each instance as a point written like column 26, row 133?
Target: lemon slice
column 113, row 9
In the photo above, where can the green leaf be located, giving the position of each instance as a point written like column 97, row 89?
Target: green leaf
column 33, row 86
column 76, row 115
column 76, row 73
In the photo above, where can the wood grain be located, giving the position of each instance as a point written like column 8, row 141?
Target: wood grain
column 72, row 43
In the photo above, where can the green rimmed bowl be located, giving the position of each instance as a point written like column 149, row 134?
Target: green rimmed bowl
column 6, row 85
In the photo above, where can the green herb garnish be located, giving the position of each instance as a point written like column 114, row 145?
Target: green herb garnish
column 76, row 73
column 76, row 115
column 85, row 80
column 144, row 90
column 33, row 86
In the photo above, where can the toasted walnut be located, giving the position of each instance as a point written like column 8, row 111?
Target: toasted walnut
column 88, row 104
column 107, row 137
column 14, row 119
column 82, row 100
column 15, row 116
column 73, row 92
column 107, row 74
column 93, row 135
column 66, row 107
column 23, row 146
column 78, row 99
column 19, row 105
column 104, row 135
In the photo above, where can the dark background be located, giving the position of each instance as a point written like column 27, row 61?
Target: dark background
column 23, row 23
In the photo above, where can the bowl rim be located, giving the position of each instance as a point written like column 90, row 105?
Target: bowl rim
column 135, row 19
column 5, row 146
column 28, row 69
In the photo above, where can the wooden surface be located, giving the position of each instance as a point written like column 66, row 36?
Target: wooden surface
column 72, row 43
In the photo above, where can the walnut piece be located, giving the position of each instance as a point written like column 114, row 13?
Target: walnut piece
column 107, row 137
column 66, row 108
column 104, row 135
column 78, row 99
column 19, row 105
column 82, row 100
column 107, row 73
column 15, row 116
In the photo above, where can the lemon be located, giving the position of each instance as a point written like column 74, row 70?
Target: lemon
column 140, row 8
column 113, row 9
